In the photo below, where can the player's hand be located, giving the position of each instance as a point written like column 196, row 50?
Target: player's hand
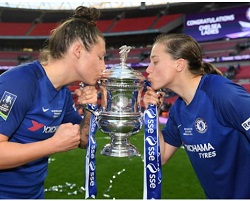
column 67, row 137
column 87, row 95
column 153, row 97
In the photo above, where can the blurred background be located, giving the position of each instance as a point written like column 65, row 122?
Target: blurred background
column 221, row 29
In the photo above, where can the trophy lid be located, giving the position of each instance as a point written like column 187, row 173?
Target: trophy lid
column 122, row 70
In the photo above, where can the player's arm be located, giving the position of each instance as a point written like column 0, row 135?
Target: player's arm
column 84, row 129
column 167, row 150
column 14, row 154
column 86, row 95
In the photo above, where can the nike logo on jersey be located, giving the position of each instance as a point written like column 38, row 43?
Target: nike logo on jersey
column 35, row 126
column 45, row 109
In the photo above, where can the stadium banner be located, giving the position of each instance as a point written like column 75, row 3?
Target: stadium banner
column 220, row 24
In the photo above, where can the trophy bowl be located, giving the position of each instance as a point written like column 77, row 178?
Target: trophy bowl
column 120, row 115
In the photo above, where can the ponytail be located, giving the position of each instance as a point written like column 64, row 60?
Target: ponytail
column 208, row 68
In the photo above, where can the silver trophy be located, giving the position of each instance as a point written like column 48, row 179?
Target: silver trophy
column 120, row 113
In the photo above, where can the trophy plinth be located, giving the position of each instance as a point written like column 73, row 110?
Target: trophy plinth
column 120, row 148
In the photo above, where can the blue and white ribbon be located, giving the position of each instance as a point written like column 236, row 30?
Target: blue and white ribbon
column 90, row 159
column 152, row 157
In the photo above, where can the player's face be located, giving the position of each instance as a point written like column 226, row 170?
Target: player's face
column 161, row 69
column 93, row 63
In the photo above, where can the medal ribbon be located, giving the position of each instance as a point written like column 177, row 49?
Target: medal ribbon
column 152, row 156
column 90, row 159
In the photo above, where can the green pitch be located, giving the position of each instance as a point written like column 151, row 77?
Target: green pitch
column 118, row 178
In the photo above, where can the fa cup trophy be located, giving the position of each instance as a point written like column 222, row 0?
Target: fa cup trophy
column 120, row 114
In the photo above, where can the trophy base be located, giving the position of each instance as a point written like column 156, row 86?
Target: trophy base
column 118, row 151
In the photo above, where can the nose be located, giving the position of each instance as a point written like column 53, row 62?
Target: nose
column 149, row 69
column 103, row 67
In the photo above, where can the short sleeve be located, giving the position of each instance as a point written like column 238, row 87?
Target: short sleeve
column 232, row 105
column 171, row 133
column 17, row 92
column 71, row 114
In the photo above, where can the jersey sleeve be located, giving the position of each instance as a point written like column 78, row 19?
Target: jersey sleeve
column 232, row 105
column 17, row 92
column 71, row 114
column 170, row 132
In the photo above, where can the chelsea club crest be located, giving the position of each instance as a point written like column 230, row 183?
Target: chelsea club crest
column 200, row 125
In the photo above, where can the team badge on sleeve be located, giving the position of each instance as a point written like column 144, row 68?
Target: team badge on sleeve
column 7, row 101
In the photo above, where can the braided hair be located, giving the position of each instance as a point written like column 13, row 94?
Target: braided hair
column 82, row 25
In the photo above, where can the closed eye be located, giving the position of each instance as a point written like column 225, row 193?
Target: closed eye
column 154, row 62
column 101, row 57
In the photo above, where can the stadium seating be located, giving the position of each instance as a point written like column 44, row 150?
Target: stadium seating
column 9, row 54
column 43, row 29
column 127, row 24
column 223, row 69
column 8, row 64
column 244, row 73
column 133, row 24
column 120, row 25
column 14, row 29
column 165, row 19
column 221, row 48
column 103, row 25
column 13, row 58
column 221, row 45
column 136, row 55
column 245, row 52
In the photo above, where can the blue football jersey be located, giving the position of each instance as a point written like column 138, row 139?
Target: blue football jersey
column 31, row 110
column 215, row 132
